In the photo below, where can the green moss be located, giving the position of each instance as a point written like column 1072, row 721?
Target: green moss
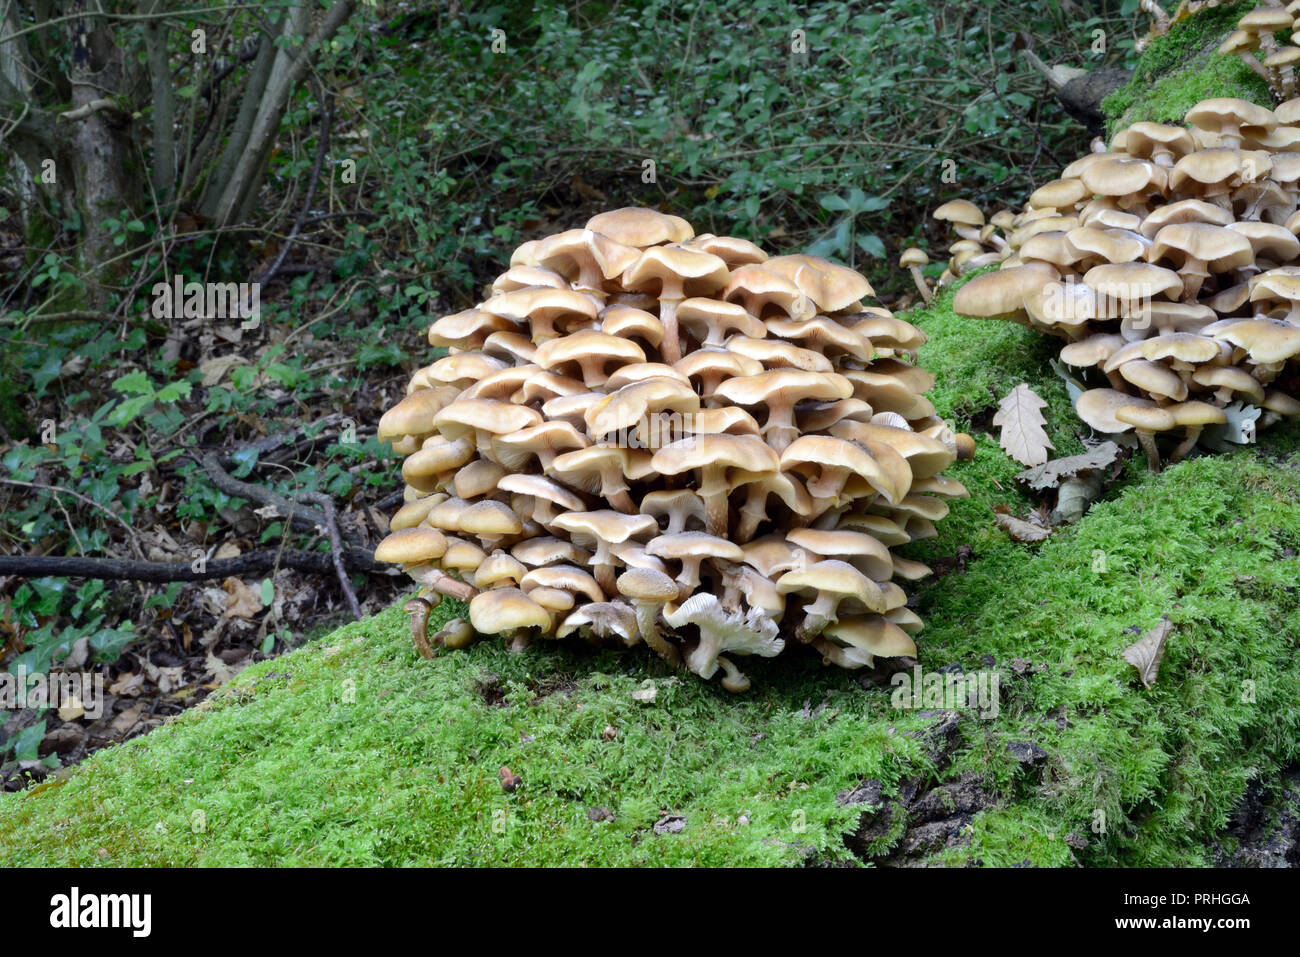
column 353, row 750
column 1182, row 68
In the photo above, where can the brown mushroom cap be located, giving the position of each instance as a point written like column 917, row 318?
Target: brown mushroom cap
column 412, row 546
column 1098, row 408
column 506, row 610
column 635, row 226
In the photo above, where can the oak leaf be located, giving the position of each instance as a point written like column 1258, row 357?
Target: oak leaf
column 1022, row 423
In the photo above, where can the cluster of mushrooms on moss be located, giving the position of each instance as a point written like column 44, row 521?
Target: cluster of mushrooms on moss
column 648, row 436
column 1170, row 264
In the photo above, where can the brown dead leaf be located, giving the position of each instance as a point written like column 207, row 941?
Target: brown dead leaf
column 126, row 720
column 244, row 602
column 220, row 672
column 167, row 678
column 1019, row 529
column 1022, row 423
column 129, row 684
column 216, row 368
column 1146, row 654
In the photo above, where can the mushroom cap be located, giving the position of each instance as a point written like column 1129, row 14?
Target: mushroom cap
column 1132, row 282
column 863, row 551
column 633, row 402
column 776, row 354
column 466, row 416
column 606, row 525
column 783, row 385
column 628, row 322
column 773, row 554
column 1098, row 408
column 1058, row 194
column 669, row 267
column 647, row 584
column 568, row 577
column 722, row 451
column 1184, row 346
column 1147, row 418
column 1145, row 139
column 637, row 371
column 414, row 415
column 913, row 257
column 711, row 319
column 1092, row 351
column 926, row 456
column 584, row 344
column 479, row 477
column 1002, row 293
column 761, row 291
column 414, row 512
column 462, row 555
column 1184, row 211
column 875, row 635
column 1228, row 112
column 514, row 449
column 666, row 502
column 539, row 486
column 730, row 249
column 960, row 211
column 1269, row 240
column 423, row 467
column 506, row 609
column 1266, row 340
column 498, row 567
column 830, row 286
column 412, row 546
column 548, row 550
column 636, row 226
column 490, row 519
column 1154, row 378
column 1218, row 247
column 1195, row 413
column 590, row 469
column 836, row 578
column 681, row 545
column 1229, row 377
column 1122, row 176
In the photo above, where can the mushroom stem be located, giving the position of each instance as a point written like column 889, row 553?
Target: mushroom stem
column 622, row 501
column 418, row 609
column 1186, row 446
column 833, row 654
column 734, row 681
column 921, row 285
column 1259, row 69
column 670, row 349
column 717, row 514
column 646, row 614
column 443, row 583
column 519, row 640
column 1148, row 441
column 605, row 577
column 813, row 625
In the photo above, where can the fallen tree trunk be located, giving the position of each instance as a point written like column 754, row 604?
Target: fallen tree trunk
column 263, row 560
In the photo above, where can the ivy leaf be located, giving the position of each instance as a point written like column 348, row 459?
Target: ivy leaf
column 1022, row 423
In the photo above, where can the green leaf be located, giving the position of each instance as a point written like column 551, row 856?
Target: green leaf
column 133, row 383
column 871, row 245
column 268, row 591
column 28, row 740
